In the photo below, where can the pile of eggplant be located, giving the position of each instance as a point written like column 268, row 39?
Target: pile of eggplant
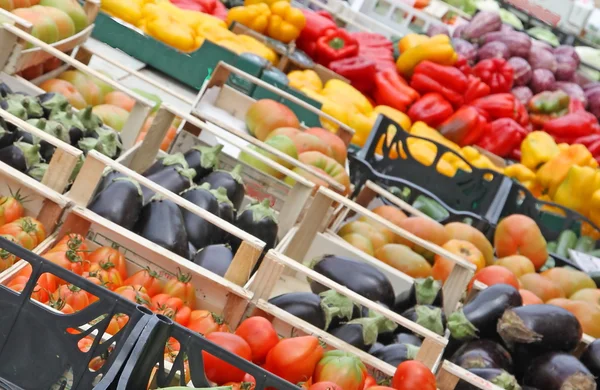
column 195, row 177
column 51, row 113
column 359, row 326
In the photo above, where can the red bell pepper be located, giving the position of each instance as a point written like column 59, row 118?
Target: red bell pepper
column 465, row 127
column 432, row 109
column 463, row 65
column 495, row 72
column 575, row 105
column 515, row 154
column 448, row 81
column 521, row 115
column 220, row 11
column 373, row 40
column 500, row 105
column 316, row 27
column 325, row 14
column 335, row 45
column 577, row 124
column 359, row 70
column 475, row 89
column 502, row 137
column 391, row 90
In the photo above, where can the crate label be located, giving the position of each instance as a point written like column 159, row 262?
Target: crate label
column 586, row 262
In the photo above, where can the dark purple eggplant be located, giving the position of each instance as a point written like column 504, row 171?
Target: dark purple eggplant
column 479, row 316
column 15, row 108
column 372, row 283
column 7, row 136
column 192, row 249
column 161, row 163
column 260, row 220
column 89, row 120
column 539, row 328
column 161, row 222
column 231, row 181
column 375, row 347
column 426, row 291
column 203, row 159
column 20, row 155
column 106, row 141
column 559, row 371
column 591, row 359
column 5, row 90
column 24, row 136
column 173, row 178
column 71, row 122
column 215, row 258
column 226, row 213
column 120, row 202
column 107, row 178
column 483, row 354
column 407, row 338
column 362, row 333
column 200, row 232
column 395, row 354
column 496, row 376
column 53, row 128
column 427, row 316
column 53, row 102
column 37, row 171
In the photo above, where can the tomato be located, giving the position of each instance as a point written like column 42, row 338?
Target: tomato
column 74, row 242
column 72, row 295
column 107, row 273
column 11, row 208
column 342, row 368
column 110, row 256
column 181, row 287
column 249, row 379
column 217, row 370
column 117, row 323
column 96, row 362
column 148, row 278
column 60, row 305
column 136, row 294
column 92, row 278
column 172, row 345
column 260, row 336
column 241, row 385
column 369, row 382
column 205, row 322
column 17, row 280
column 171, row 307
column 381, row 388
column 413, row 375
column 442, row 266
column 7, row 259
column 529, row 298
column 295, row 359
column 18, row 284
column 46, row 285
column 68, row 260
column 28, row 231
column 495, row 274
column 324, row 385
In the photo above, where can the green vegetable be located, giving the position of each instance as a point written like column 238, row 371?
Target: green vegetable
column 487, row 5
column 585, row 244
column 567, row 240
column 431, row 208
column 544, row 35
column 591, row 56
column 467, row 6
column 511, row 19
column 551, row 246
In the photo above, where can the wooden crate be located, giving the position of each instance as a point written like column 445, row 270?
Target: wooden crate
column 449, row 375
column 18, row 58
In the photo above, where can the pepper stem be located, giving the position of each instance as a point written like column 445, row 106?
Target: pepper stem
column 337, row 43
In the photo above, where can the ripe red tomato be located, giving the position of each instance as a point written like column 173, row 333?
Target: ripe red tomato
column 136, row 294
column 110, row 257
column 107, row 273
column 117, row 323
column 171, row 307
column 342, row 368
column 325, row 385
column 73, row 242
column 67, row 259
column 217, row 370
column 369, row 382
column 46, row 285
column 294, row 359
column 240, row 385
column 147, row 278
column 72, row 295
column 413, row 375
column 381, row 388
column 7, row 259
column 495, row 274
column 28, row 231
column 205, row 322
column 181, row 287
column 11, row 208
column 260, row 336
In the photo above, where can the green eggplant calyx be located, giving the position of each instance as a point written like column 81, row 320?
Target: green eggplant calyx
column 370, row 328
column 89, row 120
column 87, row 144
column 37, row 171
column 236, row 174
column 56, row 103
column 336, row 305
column 30, row 152
column 174, row 159
column 411, row 351
column 312, row 263
column 108, row 143
column 38, row 123
column 67, row 119
column 512, row 329
column 384, row 325
column 3, row 131
column 15, row 108
column 132, row 181
column 188, row 173
column 157, row 198
column 507, row 381
column 426, row 290
column 204, row 186
column 32, row 107
column 209, row 156
column 57, row 130
column 261, row 210
column 460, row 327
column 430, row 318
column 221, row 195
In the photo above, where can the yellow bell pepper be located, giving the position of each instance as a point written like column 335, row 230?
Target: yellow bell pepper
column 233, row 45
column 191, row 18
column 397, row 116
column 576, row 190
column 552, row 173
column 421, row 129
column 425, row 152
column 215, row 35
column 267, row 2
column 519, row 172
column 255, row 46
column 537, row 148
column 563, row 146
column 346, row 95
column 437, row 49
column 255, row 17
column 362, row 125
column 285, row 22
column 478, row 159
column 305, row 79
column 172, row 33
column 129, row 11
column 410, row 41
column 329, row 107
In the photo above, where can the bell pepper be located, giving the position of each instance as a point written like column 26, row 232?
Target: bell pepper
column 502, row 137
column 255, row 17
column 463, row 65
column 521, row 116
column 519, row 172
column 330, row 107
column 538, row 148
column 255, row 46
column 495, row 72
column 373, row 40
column 128, row 10
column 475, row 89
column 553, row 172
column 549, row 102
column 360, row 71
column 496, row 106
column 432, row 109
column 445, row 80
column 465, row 126
column 305, row 79
column 267, row 2
column 574, row 125
column 335, row 45
column 576, row 105
column 478, row 159
column 593, row 212
column 285, row 22
column 172, row 33
column 411, row 40
column 316, row 27
column 393, row 91
column 437, row 49
column 346, row 95
column 576, row 190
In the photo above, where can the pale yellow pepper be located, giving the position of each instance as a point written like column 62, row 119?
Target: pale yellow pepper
column 255, row 17
column 307, row 78
column 285, row 22
column 172, row 33
column 478, row 159
column 267, row 2
column 127, row 10
column 346, row 95
column 253, row 45
column 329, row 107
column 575, row 191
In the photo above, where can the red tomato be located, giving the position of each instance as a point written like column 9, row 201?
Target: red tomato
column 136, row 294
column 117, row 323
column 73, row 242
column 217, row 370
column 369, row 382
column 94, row 280
column 148, row 278
column 181, row 287
column 171, row 307
column 11, row 208
column 46, row 285
column 25, row 271
column 325, row 385
column 60, row 305
column 68, row 260
column 19, row 283
column 241, row 385
column 7, row 259
column 73, row 296
column 249, row 379
column 260, row 336
column 28, row 231
column 495, row 274
column 205, row 322
column 295, row 359
column 381, row 388
column 342, row 368
column 110, row 256
column 107, row 273
column 413, row 375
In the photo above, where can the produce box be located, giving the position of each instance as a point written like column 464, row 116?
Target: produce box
column 14, row 53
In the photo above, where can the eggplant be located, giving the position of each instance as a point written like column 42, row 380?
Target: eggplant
column 540, row 328
column 427, row 316
column 107, row 142
column 7, row 136
column 226, row 213
column 15, row 108
column 192, row 249
column 20, row 155
column 173, row 178
column 260, row 220
column 107, row 178
column 559, row 371
column 231, row 181
column 37, row 171
column 161, row 163
column 120, row 202
column 89, row 120
column 362, row 333
column 496, row 376
column 317, row 310
column 372, row 283
column 161, row 222
column 33, row 109
column 200, row 232
column 71, row 122
column 215, row 258
column 24, row 136
column 478, row 317
column 483, row 354
column 375, row 347
column 426, row 291
column 51, row 101
column 591, row 359
column 407, row 338
column 5, row 90
column 53, row 128
column 395, row 354
column 203, row 159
